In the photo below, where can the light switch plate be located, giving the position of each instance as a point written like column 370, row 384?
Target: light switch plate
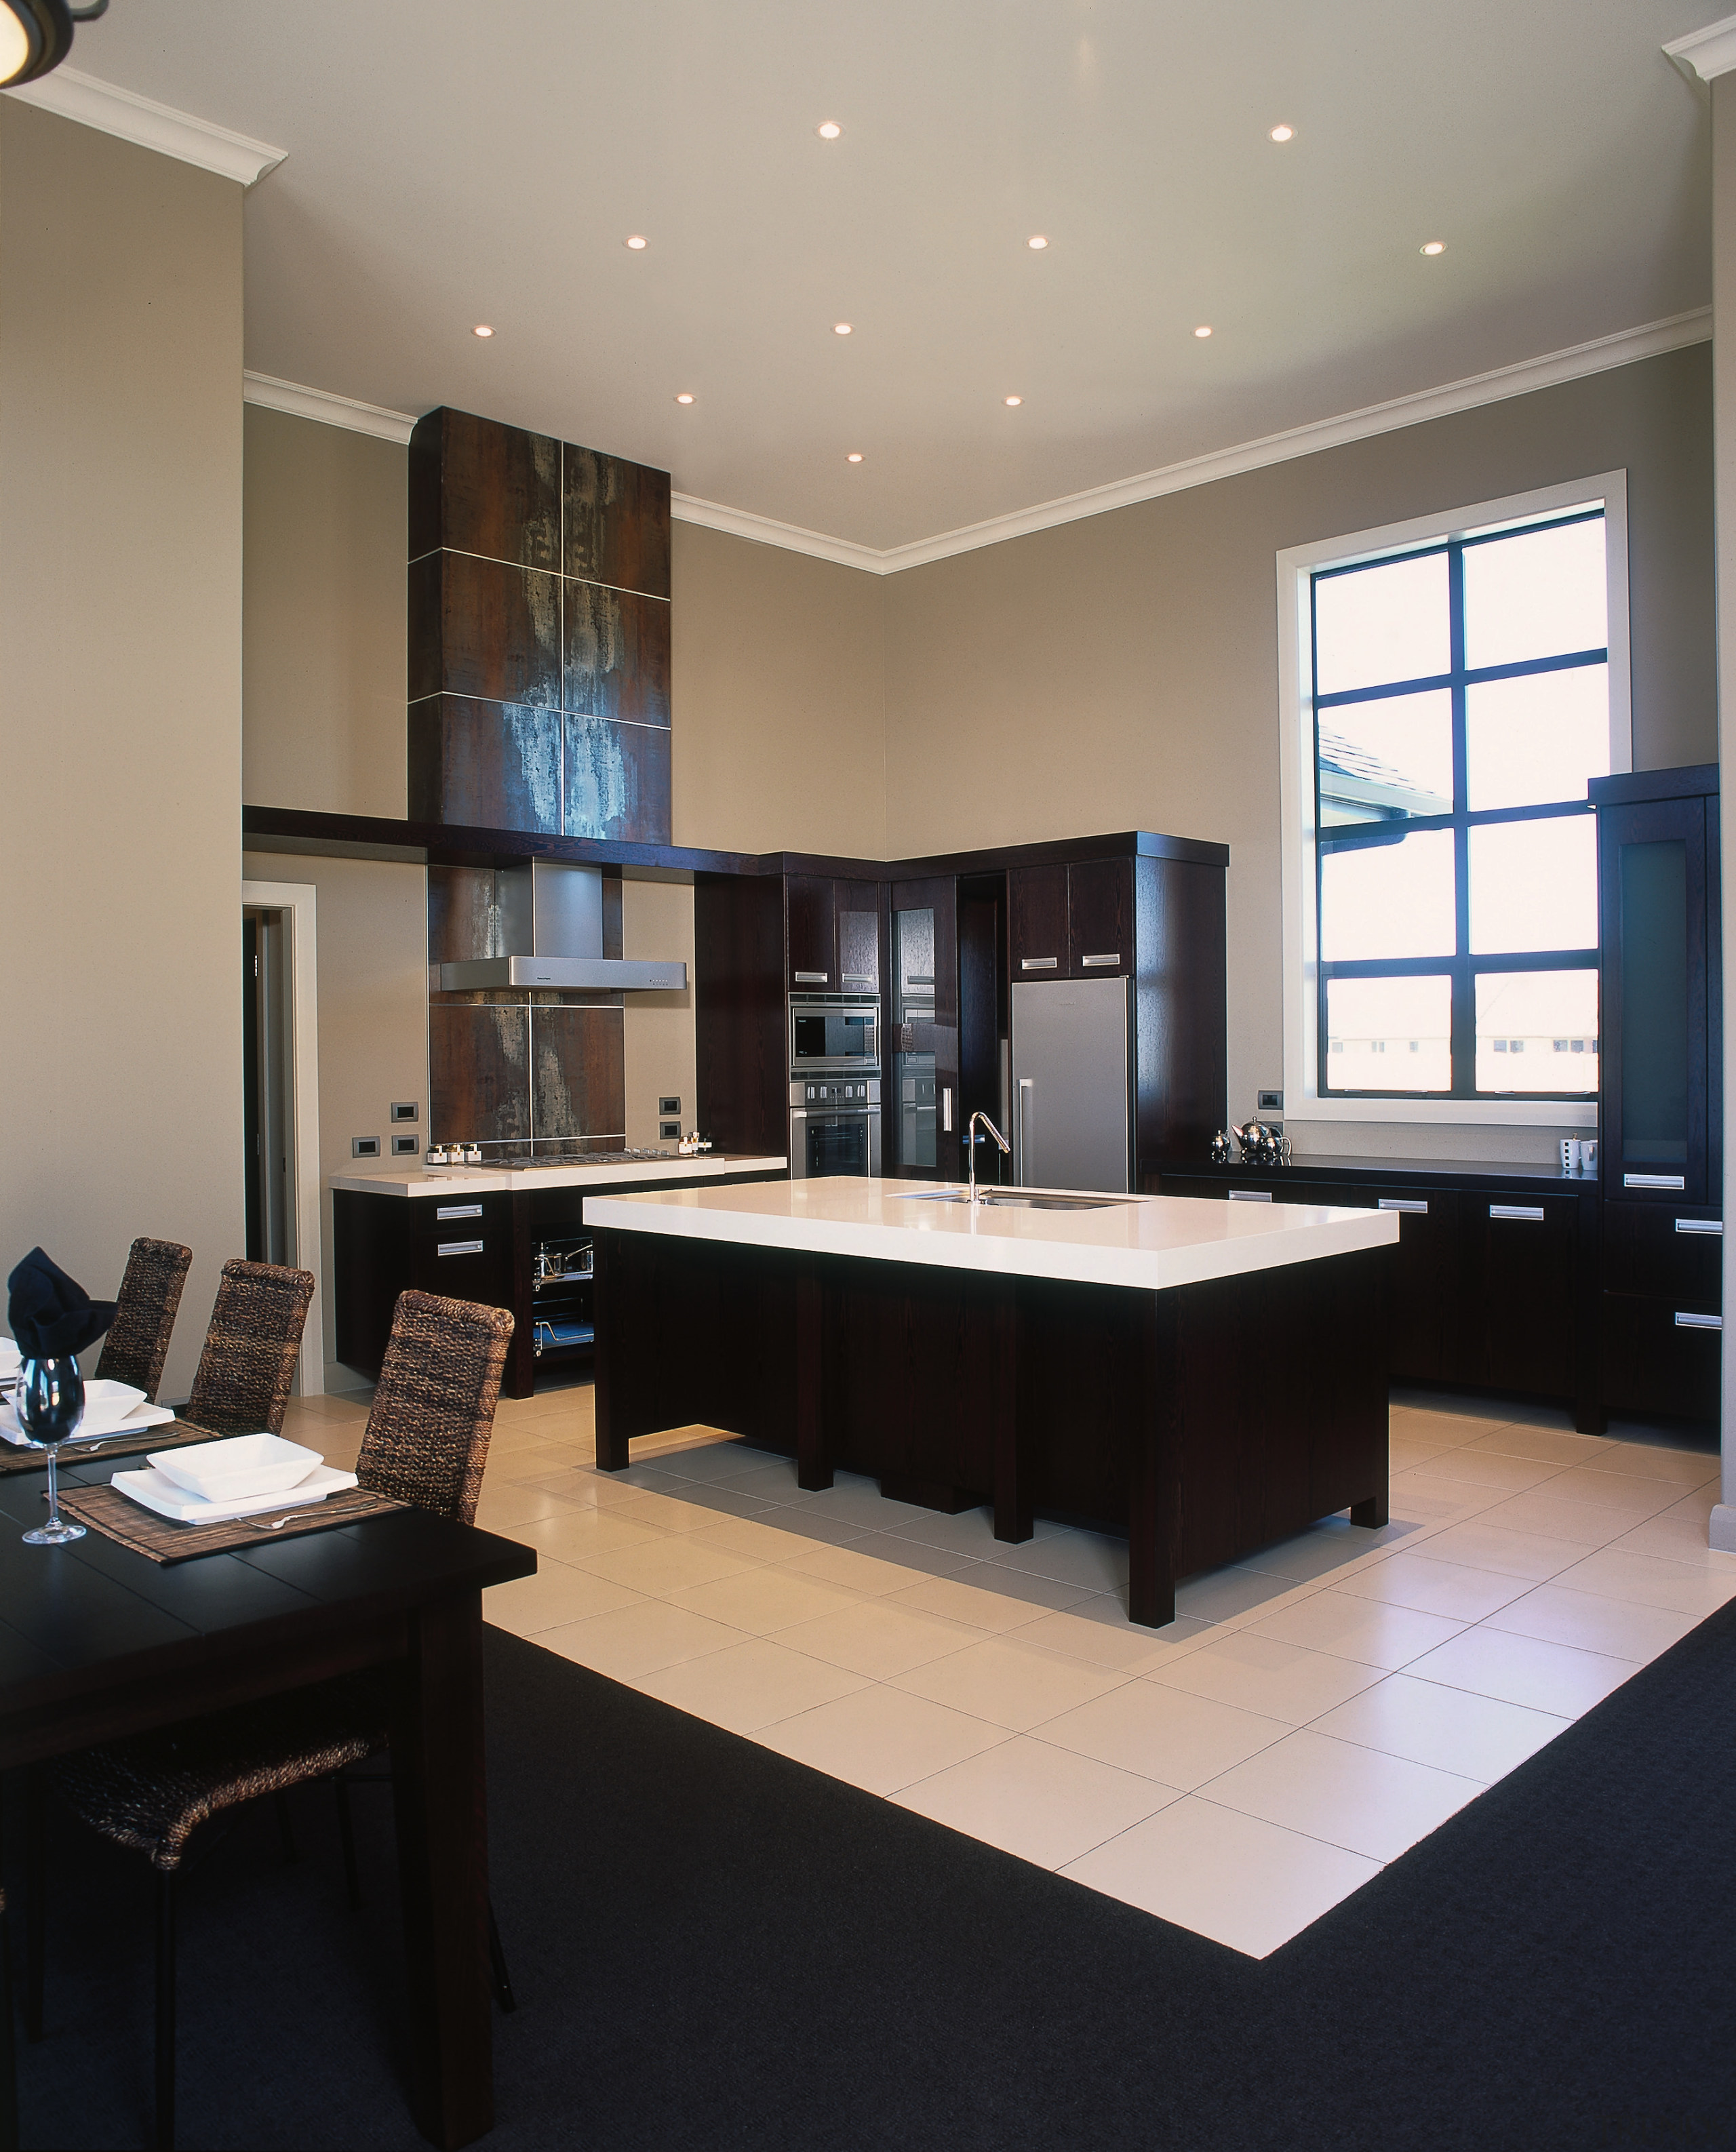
column 364, row 1146
column 1271, row 1102
column 669, row 1105
column 406, row 1109
column 668, row 1131
column 406, row 1146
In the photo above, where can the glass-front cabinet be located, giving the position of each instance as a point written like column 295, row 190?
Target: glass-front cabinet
column 920, row 1138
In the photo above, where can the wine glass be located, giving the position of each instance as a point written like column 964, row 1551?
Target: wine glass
column 49, row 1401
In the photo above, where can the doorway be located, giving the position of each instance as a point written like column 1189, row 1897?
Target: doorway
column 267, row 1088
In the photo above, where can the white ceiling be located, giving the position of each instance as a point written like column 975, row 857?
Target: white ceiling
column 457, row 161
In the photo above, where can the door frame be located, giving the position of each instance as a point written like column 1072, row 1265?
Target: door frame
column 296, row 900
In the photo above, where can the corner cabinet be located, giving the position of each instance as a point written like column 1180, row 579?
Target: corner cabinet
column 1661, row 1135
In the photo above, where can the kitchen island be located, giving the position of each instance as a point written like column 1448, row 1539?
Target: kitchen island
column 1206, row 1378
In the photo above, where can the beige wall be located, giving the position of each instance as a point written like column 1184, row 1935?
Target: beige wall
column 1121, row 672
column 323, row 647
column 657, row 921
column 121, row 617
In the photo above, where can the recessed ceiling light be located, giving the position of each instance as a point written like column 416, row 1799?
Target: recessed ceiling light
column 482, row 329
column 1435, row 246
column 853, row 457
column 1012, row 402
column 1204, row 329
column 829, row 131
column 1281, row 133
column 840, row 328
column 637, row 242
column 683, row 397
column 1036, row 242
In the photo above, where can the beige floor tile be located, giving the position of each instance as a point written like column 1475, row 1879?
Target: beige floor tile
column 531, row 1604
column 1432, row 1586
column 1099, row 1632
column 712, row 1461
column 1008, row 1682
column 1247, row 1884
column 1477, row 1467
column 1479, row 1545
column 1698, row 1504
column 1089, row 1559
column 663, row 1565
column 971, row 1532
column 672, row 1513
column 771, row 1480
column 577, row 1534
column 1589, row 1622
column 1633, row 1498
column 1225, row 1594
column 753, row 1684
column 993, row 1599
column 879, row 1738
column 1321, row 1552
column 770, row 1535
column 1427, row 1500
column 630, row 1641
column 1362, row 1800
column 1544, row 1513
column 1677, row 1539
column 1649, row 1461
column 1258, row 1673
column 861, row 1503
column 1044, row 1804
column 1361, row 1629
column 1476, row 1736
column 1443, row 1418
column 1162, row 1733
column 759, row 1601
column 1686, row 1587
column 504, row 1508
column 1409, row 1453
column 870, row 1573
column 876, row 1638
column 1542, row 1445
column 1524, row 1670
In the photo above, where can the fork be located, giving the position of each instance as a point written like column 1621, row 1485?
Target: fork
column 327, row 1508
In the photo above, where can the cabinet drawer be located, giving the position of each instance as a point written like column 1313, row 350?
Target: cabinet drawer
column 462, row 1264
column 1673, row 1254
column 1517, row 1264
column 1654, row 1362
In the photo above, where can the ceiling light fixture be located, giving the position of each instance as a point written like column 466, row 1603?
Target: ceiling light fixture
column 482, row 329
column 1012, row 402
column 853, row 457
column 1203, row 330
column 1036, row 242
column 1435, row 246
column 1281, row 133
column 840, row 328
column 683, row 397
column 37, row 35
column 829, row 131
column 638, row 243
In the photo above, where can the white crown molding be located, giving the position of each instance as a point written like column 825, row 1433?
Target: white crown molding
column 274, row 395
column 1706, row 53
column 1555, row 367
column 106, row 106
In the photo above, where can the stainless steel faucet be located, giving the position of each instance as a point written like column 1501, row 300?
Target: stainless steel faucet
column 970, row 1147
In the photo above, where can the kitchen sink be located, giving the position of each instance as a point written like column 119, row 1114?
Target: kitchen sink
column 1018, row 1199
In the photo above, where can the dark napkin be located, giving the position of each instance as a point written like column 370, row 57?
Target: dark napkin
column 51, row 1314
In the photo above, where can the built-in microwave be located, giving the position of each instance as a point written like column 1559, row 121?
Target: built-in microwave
column 833, row 1035
column 835, row 1128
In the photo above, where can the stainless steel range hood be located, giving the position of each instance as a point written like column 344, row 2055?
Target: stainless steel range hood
column 544, row 928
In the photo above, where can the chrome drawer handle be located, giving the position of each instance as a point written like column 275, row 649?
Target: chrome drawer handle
column 1698, row 1322
column 1531, row 1213
column 461, row 1210
column 1417, row 1204
column 812, row 978
column 1040, row 963
column 1251, row 1195
column 458, row 1247
column 1115, row 957
column 1654, row 1180
column 1700, row 1226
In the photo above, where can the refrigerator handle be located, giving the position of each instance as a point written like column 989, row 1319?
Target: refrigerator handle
column 1022, row 1132
column 947, row 1109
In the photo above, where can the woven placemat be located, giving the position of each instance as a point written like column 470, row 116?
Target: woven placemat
column 166, row 1434
column 165, row 1541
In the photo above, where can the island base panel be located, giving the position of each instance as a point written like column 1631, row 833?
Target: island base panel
column 1205, row 1421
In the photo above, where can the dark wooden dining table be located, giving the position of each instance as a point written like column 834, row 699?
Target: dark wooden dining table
column 97, row 1642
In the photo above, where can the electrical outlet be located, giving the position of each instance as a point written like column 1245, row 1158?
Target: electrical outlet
column 364, row 1146
column 1271, row 1102
column 406, row 1109
column 406, row 1146
column 669, row 1131
column 669, row 1105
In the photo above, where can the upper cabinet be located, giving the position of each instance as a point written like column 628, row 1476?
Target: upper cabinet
column 1071, row 922
column 833, row 936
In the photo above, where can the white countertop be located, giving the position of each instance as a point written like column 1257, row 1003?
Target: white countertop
column 445, row 1180
column 1151, row 1242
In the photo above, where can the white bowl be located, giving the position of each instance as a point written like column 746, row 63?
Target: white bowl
column 242, row 1465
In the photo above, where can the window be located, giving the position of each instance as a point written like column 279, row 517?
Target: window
column 1453, row 690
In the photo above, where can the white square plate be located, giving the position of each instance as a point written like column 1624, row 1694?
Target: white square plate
column 151, row 1490
column 240, row 1466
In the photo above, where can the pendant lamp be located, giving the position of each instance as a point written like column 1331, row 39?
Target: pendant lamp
column 37, row 35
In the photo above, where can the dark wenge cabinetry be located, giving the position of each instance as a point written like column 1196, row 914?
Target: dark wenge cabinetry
column 1661, row 1132
column 833, row 936
column 1071, row 922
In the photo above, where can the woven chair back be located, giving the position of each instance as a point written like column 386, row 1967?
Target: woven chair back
column 434, row 1408
column 242, row 1385
column 137, row 1341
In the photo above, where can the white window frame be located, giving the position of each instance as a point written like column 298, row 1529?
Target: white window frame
column 1302, row 1101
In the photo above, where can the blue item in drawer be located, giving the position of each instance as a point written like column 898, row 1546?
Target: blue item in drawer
column 549, row 1334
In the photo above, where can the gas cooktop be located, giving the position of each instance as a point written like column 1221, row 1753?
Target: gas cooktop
column 590, row 1158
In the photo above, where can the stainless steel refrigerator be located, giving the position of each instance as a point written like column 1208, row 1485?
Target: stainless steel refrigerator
column 1072, row 1085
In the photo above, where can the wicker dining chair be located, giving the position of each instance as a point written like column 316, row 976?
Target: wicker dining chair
column 242, row 1381
column 145, row 1311
column 426, row 1442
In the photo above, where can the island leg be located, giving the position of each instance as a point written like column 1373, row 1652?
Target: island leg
column 611, row 1438
column 1150, row 1464
column 813, row 1460
column 1012, row 1465
column 1373, row 1511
